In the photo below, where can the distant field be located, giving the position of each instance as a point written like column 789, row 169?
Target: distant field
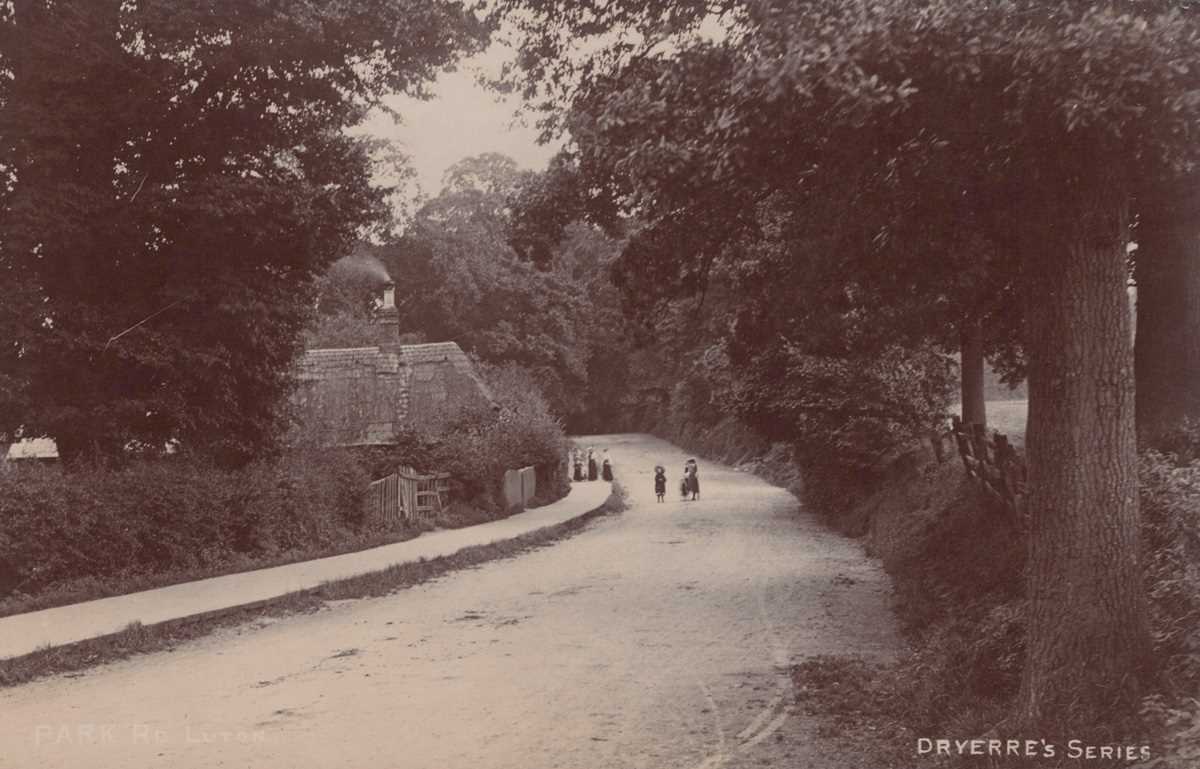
column 1006, row 416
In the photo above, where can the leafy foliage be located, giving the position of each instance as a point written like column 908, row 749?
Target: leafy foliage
column 1170, row 492
column 476, row 444
column 104, row 526
column 458, row 278
column 185, row 168
column 347, row 303
column 546, row 204
column 851, row 411
column 877, row 146
column 894, row 169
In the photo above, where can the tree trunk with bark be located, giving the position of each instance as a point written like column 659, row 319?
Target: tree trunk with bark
column 971, row 344
column 1168, row 314
column 1087, row 625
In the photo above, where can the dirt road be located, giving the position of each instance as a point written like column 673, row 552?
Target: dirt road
column 657, row 638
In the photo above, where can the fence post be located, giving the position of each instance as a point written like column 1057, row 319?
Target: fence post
column 979, row 437
column 513, row 499
column 528, row 485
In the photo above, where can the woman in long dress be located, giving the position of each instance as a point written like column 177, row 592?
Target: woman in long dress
column 606, row 467
column 693, row 476
column 592, row 475
column 577, row 461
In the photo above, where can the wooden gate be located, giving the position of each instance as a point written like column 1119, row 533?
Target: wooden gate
column 406, row 497
column 423, row 496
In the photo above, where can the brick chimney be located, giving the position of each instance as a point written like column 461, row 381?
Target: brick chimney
column 387, row 314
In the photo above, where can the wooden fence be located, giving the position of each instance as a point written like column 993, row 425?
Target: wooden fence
column 992, row 461
column 383, row 502
column 407, row 497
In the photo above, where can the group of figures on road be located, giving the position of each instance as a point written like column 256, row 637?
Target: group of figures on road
column 587, row 459
column 689, row 484
column 588, row 466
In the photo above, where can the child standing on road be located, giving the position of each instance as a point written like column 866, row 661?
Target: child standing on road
column 660, row 482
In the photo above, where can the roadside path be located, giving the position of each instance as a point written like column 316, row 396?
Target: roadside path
column 25, row 633
column 658, row 638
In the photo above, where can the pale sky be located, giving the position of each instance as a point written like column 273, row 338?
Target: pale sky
column 461, row 120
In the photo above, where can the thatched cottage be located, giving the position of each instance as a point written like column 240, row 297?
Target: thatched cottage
column 361, row 396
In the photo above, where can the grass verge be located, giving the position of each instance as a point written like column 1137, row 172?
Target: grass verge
column 853, row 700
column 92, row 589
column 141, row 639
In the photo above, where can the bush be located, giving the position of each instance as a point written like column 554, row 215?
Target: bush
column 957, row 567
column 845, row 417
column 1181, row 446
column 1170, row 498
column 852, row 413
column 312, row 499
column 95, row 526
column 459, row 514
column 960, row 597
column 476, row 444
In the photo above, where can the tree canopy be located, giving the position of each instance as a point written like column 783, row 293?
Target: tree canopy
column 459, row 278
column 183, row 170
column 900, row 166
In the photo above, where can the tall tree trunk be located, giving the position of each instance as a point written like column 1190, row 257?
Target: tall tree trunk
column 971, row 344
column 1168, row 314
column 1087, row 627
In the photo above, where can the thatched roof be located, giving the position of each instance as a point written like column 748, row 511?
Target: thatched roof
column 363, row 395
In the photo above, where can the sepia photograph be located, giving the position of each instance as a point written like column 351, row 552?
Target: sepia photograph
column 600, row 384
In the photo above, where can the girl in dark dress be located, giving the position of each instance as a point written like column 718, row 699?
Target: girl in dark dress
column 606, row 467
column 591, row 465
column 660, row 482
column 577, row 460
column 693, row 478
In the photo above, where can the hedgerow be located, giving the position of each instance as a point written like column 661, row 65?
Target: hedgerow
column 959, row 587
column 96, row 529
